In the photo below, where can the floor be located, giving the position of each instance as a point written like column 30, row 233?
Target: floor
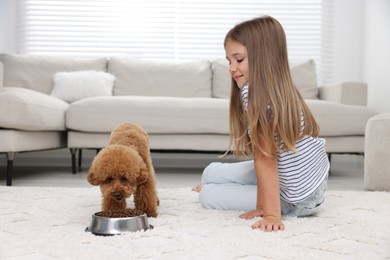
column 52, row 168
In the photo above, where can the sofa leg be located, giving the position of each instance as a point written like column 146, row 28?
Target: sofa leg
column 80, row 161
column 10, row 167
column 73, row 152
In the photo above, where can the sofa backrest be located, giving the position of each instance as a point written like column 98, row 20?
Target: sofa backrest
column 142, row 77
column 36, row 71
column 156, row 78
column 303, row 75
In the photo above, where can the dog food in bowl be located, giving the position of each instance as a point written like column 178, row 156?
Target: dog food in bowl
column 120, row 213
column 115, row 222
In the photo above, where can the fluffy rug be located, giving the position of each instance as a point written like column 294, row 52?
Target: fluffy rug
column 45, row 223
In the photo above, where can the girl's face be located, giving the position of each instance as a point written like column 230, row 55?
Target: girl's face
column 237, row 56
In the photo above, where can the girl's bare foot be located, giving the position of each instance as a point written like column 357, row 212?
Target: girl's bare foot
column 197, row 188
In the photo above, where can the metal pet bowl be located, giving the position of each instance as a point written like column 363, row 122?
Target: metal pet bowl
column 105, row 226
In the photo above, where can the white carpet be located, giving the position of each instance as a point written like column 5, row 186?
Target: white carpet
column 45, row 223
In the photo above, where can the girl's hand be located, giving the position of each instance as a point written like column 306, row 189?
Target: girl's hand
column 269, row 224
column 252, row 214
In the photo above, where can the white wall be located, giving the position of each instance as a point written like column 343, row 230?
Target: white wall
column 362, row 47
column 361, row 51
column 348, row 40
column 376, row 66
column 7, row 26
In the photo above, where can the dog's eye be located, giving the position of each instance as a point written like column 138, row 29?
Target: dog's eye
column 108, row 180
column 123, row 179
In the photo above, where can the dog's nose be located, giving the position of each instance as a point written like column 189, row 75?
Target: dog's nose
column 117, row 195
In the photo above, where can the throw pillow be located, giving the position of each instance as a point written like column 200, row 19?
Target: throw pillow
column 73, row 86
column 305, row 78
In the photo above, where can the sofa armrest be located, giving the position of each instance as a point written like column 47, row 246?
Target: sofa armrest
column 1, row 75
column 347, row 93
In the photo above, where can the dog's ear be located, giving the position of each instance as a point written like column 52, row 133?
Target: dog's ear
column 143, row 174
column 92, row 177
column 96, row 174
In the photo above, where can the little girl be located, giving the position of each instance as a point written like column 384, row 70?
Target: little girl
column 271, row 123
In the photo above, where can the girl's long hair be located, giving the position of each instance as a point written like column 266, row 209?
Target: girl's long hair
column 275, row 107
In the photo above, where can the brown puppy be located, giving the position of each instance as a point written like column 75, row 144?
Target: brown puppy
column 124, row 167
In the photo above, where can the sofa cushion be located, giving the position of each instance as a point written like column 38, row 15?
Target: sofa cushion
column 303, row 75
column 72, row 86
column 36, row 71
column 1, row 75
column 305, row 78
column 336, row 119
column 156, row 114
column 153, row 78
column 169, row 115
column 21, row 141
column 221, row 78
column 26, row 109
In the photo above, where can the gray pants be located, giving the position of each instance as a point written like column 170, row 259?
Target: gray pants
column 233, row 186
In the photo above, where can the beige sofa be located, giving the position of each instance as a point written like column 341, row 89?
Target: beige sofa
column 183, row 106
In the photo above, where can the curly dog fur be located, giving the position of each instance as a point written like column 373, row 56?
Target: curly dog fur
column 124, row 168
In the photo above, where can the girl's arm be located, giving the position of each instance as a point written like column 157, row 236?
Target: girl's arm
column 259, row 199
column 268, row 193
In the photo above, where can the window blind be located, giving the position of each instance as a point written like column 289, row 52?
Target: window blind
column 168, row 29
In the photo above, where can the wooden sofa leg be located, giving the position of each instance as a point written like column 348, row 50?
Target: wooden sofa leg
column 10, row 167
column 73, row 152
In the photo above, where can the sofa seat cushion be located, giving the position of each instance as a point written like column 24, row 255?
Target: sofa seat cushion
column 157, row 78
column 336, row 119
column 169, row 115
column 156, row 114
column 29, row 110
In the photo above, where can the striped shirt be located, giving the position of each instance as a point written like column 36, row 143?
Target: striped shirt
column 244, row 97
column 300, row 172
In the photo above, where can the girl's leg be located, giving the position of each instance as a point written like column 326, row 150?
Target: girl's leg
column 307, row 207
column 228, row 196
column 241, row 172
column 229, row 186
